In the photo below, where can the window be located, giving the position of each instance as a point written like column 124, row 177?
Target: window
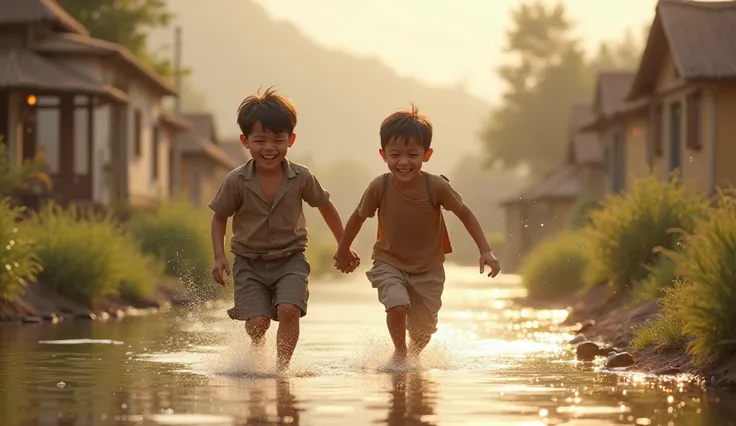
column 694, row 120
column 138, row 132
column 154, row 153
column 676, row 137
column 657, row 131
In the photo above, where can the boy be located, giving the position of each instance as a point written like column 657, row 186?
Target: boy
column 412, row 240
column 264, row 196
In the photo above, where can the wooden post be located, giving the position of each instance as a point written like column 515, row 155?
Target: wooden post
column 90, row 147
column 66, row 145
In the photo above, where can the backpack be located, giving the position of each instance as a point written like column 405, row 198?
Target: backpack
column 446, row 245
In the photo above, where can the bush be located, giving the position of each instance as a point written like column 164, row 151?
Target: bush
column 667, row 329
column 662, row 274
column 21, row 177
column 624, row 232
column 18, row 261
column 555, row 267
column 581, row 210
column 708, row 263
column 179, row 235
column 88, row 257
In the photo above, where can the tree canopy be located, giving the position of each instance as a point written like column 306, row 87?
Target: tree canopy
column 549, row 71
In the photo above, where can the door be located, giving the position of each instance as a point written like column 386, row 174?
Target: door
column 675, row 150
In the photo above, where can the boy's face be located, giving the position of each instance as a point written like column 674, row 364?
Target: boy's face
column 267, row 148
column 405, row 158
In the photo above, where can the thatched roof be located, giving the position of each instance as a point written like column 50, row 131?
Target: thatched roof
column 75, row 44
column 701, row 37
column 23, row 69
column 24, row 12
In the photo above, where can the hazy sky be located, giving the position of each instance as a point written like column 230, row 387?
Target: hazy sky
column 443, row 41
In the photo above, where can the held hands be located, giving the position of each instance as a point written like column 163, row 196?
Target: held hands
column 346, row 261
column 488, row 259
column 221, row 265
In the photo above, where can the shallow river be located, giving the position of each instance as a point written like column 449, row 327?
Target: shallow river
column 489, row 364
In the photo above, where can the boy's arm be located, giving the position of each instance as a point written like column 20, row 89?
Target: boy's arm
column 217, row 231
column 352, row 228
column 332, row 219
column 470, row 221
column 224, row 204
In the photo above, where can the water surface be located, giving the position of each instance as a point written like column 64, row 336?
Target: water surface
column 489, row 364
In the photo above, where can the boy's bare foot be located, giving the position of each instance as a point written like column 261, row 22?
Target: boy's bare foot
column 259, row 342
column 399, row 356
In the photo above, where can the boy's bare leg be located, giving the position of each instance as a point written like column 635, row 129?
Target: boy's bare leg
column 419, row 341
column 288, row 333
column 396, row 322
column 256, row 328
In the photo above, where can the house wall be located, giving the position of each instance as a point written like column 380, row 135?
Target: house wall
column 637, row 166
column 725, row 141
column 695, row 162
column 201, row 178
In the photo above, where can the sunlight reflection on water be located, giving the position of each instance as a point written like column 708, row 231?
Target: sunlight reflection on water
column 489, row 363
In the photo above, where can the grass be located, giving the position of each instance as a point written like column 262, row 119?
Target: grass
column 178, row 235
column 667, row 329
column 555, row 268
column 88, row 257
column 18, row 261
column 708, row 263
column 625, row 231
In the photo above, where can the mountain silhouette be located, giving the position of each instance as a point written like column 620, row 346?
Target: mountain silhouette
column 236, row 48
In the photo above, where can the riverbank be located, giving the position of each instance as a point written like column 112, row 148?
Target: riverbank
column 609, row 320
column 39, row 304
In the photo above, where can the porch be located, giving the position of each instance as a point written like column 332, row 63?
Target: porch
column 49, row 109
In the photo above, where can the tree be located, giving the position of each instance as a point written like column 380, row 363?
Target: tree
column 125, row 22
column 549, row 74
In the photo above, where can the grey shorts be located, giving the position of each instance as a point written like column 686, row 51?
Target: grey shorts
column 420, row 293
column 261, row 285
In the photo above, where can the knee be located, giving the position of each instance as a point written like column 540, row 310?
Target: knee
column 288, row 313
column 257, row 325
column 397, row 311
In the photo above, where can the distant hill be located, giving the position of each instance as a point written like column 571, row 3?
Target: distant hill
column 236, row 47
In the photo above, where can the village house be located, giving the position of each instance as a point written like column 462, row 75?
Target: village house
column 687, row 76
column 621, row 127
column 546, row 207
column 91, row 107
column 205, row 160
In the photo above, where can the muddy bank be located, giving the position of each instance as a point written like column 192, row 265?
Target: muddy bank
column 39, row 304
column 609, row 320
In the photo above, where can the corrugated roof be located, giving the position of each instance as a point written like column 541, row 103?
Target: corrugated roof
column 562, row 182
column 19, row 12
column 701, row 36
column 585, row 147
column 23, row 69
column 79, row 44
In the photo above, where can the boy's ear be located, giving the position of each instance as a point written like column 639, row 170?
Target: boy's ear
column 428, row 155
column 292, row 139
column 244, row 141
column 382, row 153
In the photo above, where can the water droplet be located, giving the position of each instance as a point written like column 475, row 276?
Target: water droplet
column 541, row 224
column 543, row 412
column 670, row 399
column 61, row 385
column 690, row 159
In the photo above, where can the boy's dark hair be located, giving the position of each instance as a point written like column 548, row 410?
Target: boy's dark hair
column 406, row 124
column 275, row 113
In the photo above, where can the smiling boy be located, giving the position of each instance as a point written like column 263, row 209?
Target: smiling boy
column 264, row 196
column 412, row 240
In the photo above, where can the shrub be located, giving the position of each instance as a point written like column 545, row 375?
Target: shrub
column 624, row 232
column 179, row 235
column 555, row 267
column 708, row 263
column 581, row 210
column 18, row 261
column 18, row 177
column 88, row 257
column 667, row 329
column 662, row 274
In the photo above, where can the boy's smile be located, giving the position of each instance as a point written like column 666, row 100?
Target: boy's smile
column 404, row 158
column 267, row 148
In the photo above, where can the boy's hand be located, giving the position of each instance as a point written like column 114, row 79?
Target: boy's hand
column 347, row 261
column 488, row 259
column 221, row 264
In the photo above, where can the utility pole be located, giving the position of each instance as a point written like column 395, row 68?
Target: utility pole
column 176, row 163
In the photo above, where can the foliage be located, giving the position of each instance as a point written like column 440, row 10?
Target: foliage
column 667, row 330
column 88, row 257
column 14, row 177
column 708, row 264
column 179, row 235
column 626, row 230
column 549, row 72
column 18, row 261
column 126, row 23
column 581, row 210
column 556, row 266
column 661, row 275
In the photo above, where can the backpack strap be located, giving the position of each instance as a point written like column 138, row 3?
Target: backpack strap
column 429, row 192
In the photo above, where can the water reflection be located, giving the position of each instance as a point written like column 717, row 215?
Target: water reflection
column 489, row 364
